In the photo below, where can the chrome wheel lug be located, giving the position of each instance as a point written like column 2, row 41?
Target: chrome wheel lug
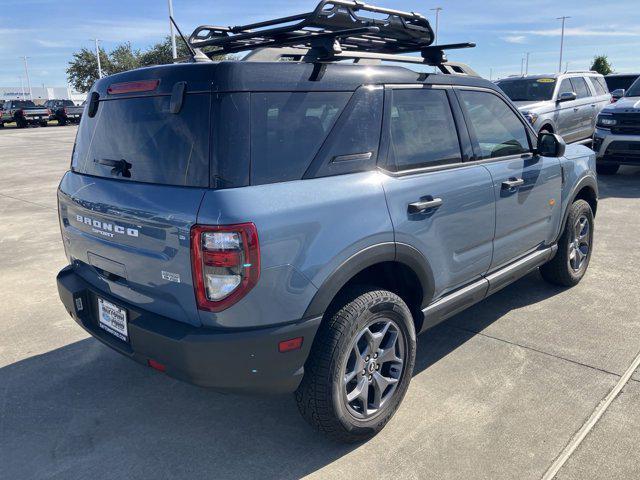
column 377, row 367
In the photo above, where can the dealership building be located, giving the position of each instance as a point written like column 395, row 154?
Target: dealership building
column 41, row 94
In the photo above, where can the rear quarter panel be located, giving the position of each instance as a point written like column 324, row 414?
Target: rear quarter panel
column 306, row 229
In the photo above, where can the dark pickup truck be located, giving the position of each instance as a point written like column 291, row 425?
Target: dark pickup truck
column 23, row 113
column 64, row 111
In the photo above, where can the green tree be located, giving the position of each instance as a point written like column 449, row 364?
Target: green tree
column 124, row 58
column 161, row 52
column 82, row 71
column 601, row 65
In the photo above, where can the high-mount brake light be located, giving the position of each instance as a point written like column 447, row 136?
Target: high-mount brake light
column 133, row 87
column 226, row 264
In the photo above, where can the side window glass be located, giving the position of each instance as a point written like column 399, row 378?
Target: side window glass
column 423, row 131
column 565, row 87
column 288, row 129
column 498, row 130
column 580, row 87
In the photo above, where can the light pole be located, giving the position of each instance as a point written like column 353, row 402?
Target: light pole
column 174, row 50
column 522, row 66
column 437, row 10
column 26, row 71
column 98, row 58
column 526, row 69
column 490, row 74
column 22, row 87
column 564, row 19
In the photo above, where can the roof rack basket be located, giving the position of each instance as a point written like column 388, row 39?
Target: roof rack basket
column 334, row 27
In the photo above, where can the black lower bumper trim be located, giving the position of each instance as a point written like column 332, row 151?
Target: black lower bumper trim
column 244, row 361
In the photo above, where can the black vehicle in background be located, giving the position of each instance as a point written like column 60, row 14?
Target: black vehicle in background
column 23, row 113
column 619, row 83
column 64, row 111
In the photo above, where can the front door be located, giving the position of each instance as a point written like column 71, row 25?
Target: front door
column 439, row 205
column 527, row 187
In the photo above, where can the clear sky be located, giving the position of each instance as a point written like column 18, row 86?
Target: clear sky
column 49, row 31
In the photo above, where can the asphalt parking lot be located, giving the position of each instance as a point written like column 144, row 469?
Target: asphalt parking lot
column 499, row 391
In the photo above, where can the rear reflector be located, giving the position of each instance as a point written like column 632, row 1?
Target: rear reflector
column 289, row 345
column 156, row 365
column 133, row 87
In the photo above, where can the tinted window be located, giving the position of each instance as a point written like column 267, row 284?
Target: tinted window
column 535, row 90
column 634, row 90
column 498, row 130
column 23, row 104
column 68, row 103
column 162, row 147
column 423, row 132
column 580, row 87
column 620, row 81
column 288, row 129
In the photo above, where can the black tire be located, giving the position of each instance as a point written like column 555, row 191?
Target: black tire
column 62, row 122
column 322, row 395
column 545, row 129
column 21, row 124
column 1, row 125
column 561, row 270
column 43, row 124
column 607, row 169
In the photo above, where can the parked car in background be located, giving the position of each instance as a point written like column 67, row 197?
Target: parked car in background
column 64, row 111
column 617, row 137
column 564, row 103
column 296, row 229
column 619, row 83
column 24, row 113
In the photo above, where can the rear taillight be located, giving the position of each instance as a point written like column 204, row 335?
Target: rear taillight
column 226, row 264
column 64, row 110
column 49, row 111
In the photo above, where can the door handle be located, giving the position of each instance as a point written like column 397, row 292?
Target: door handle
column 424, row 205
column 512, row 183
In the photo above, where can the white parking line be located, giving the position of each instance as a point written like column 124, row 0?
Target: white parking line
column 593, row 419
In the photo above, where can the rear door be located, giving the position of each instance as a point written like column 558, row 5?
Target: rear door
column 438, row 204
column 527, row 187
column 140, row 168
column 586, row 104
column 569, row 123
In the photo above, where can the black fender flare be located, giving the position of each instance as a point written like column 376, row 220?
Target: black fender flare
column 586, row 181
column 379, row 253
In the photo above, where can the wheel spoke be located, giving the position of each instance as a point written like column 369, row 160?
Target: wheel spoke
column 360, row 391
column 350, row 376
column 380, row 384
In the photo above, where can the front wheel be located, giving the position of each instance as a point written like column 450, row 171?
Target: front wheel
column 359, row 367
column 607, row 169
column 574, row 248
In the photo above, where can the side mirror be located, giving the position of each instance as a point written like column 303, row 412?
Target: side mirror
column 551, row 145
column 567, row 96
column 618, row 94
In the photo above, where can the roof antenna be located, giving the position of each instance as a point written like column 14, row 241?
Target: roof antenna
column 195, row 54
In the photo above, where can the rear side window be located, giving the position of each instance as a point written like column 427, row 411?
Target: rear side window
column 498, row 131
column 599, row 85
column 160, row 146
column 423, row 132
column 580, row 87
column 288, row 129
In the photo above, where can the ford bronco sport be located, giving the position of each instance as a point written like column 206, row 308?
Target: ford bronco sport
column 290, row 226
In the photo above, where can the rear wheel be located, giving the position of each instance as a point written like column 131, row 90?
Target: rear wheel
column 21, row 124
column 574, row 248
column 62, row 122
column 43, row 124
column 607, row 169
column 360, row 366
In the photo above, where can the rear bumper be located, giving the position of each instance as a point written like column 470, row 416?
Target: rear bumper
column 245, row 361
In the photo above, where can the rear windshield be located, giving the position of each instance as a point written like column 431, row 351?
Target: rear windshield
column 620, row 81
column 23, row 104
column 158, row 146
column 528, row 90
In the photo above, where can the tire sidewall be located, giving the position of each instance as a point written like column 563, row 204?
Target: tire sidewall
column 397, row 311
column 577, row 210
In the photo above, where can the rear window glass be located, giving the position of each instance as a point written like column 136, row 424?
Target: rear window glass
column 23, row 104
column 160, row 146
column 288, row 129
column 600, row 85
column 580, row 87
column 620, row 81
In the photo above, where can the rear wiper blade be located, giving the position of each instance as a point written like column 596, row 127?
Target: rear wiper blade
column 120, row 167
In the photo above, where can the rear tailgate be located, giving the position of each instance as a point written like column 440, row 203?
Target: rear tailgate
column 36, row 113
column 139, row 172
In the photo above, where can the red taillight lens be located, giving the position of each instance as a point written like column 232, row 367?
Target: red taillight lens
column 290, row 345
column 64, row 110
column 133, row 87
column 49, row 111
column 226, row 264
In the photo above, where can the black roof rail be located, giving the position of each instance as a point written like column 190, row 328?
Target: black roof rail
column 333, row 27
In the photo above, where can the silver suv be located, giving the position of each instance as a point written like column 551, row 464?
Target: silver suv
column 564, row 103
